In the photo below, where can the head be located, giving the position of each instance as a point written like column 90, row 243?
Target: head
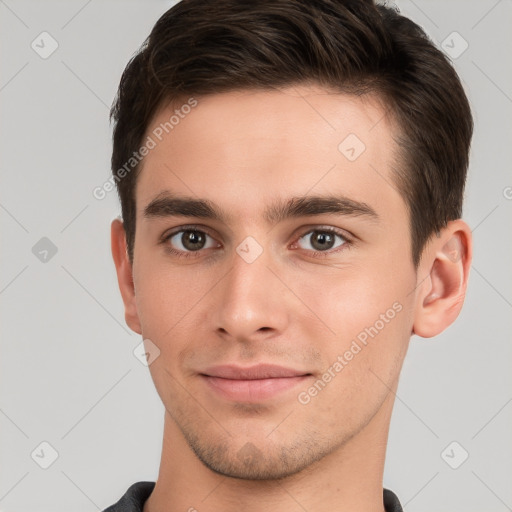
column 316, row 151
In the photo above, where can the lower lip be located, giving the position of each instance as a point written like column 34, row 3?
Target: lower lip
column 253, row 390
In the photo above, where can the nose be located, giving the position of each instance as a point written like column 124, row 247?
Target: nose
column 251, row 302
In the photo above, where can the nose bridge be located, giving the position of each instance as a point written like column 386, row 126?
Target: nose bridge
column 251, row 296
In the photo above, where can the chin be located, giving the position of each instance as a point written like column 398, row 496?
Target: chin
column 257, row 460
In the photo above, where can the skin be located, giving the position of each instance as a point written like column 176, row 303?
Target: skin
column 242, row 150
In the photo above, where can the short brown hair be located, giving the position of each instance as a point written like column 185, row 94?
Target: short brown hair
column 203, row 47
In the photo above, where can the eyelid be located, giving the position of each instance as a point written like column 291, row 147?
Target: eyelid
column 347, row 235
column 309, row 227
column 186, row 227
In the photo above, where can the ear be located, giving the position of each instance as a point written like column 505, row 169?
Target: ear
column 444, row 271
column 124, row 274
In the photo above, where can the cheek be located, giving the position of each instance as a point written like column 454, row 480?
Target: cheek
column 349, row 301
column 163, row 298
column 364, row 313
column 162, row 306
column 371, row 322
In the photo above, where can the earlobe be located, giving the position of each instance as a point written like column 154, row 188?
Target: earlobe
column 124, row 275
column 442, row 293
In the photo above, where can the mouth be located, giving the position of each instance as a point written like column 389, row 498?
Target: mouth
column 252, row 384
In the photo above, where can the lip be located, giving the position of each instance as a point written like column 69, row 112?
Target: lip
column 259, row 371
column 254, row 383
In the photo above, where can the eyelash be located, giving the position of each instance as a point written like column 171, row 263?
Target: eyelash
column 316, row 254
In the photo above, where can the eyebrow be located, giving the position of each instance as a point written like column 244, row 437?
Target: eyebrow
column 166, row 204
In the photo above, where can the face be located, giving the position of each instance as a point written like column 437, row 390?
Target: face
column 281, row 322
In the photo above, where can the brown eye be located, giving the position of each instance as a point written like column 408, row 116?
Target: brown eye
column 193, row 240
column 322, row 240
column 188, row 240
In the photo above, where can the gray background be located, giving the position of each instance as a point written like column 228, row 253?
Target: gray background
column 68, row 373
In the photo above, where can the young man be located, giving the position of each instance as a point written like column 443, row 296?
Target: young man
column 291, row 175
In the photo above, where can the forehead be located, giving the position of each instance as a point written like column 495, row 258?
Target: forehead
column 243, row 147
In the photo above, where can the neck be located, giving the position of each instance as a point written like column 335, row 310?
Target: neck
column 348, row 479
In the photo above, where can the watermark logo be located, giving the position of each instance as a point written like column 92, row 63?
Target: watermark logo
column 44, row 45
column 146, row 352
column 454, row 455
column 44, row 250
column 351, row 147
column 44, row 455
column 249, row 454
column 454, row 45
column 249, row 249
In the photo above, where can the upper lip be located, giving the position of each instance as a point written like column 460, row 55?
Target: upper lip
column 260, row 371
